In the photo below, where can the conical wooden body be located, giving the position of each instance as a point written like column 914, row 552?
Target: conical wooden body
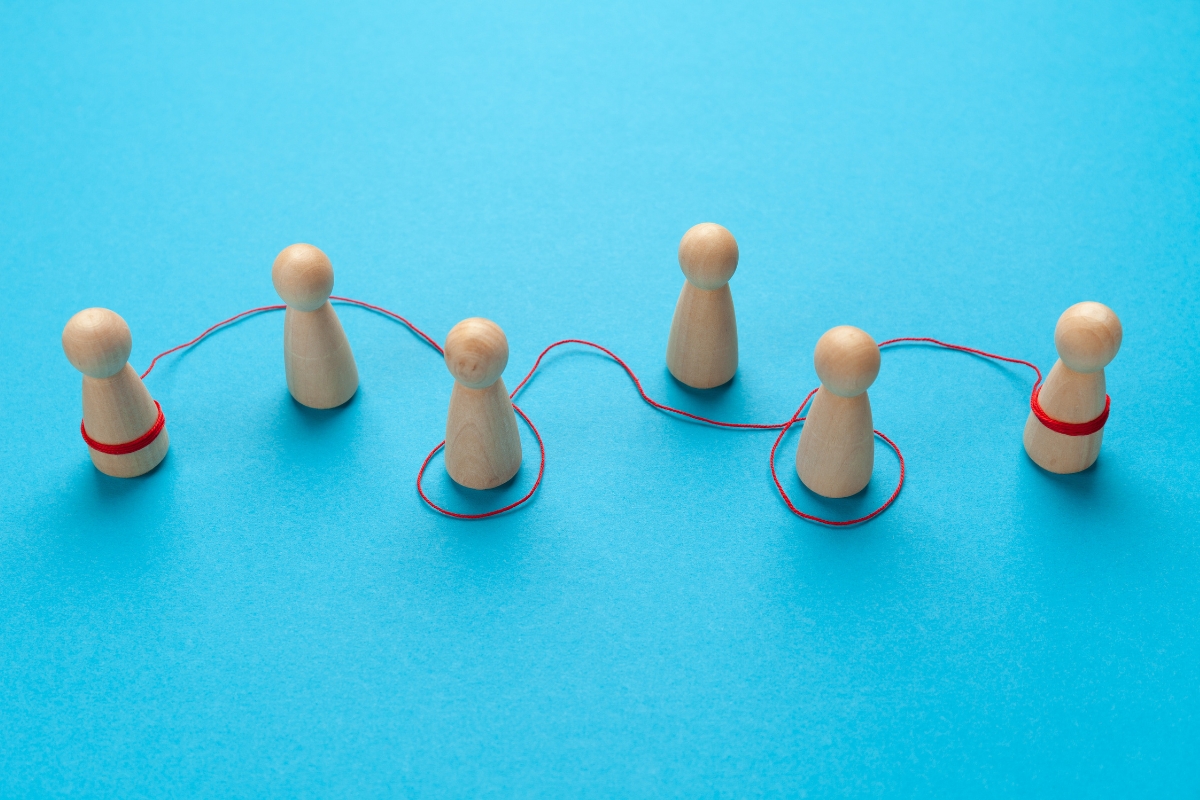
column 1067, row 396
column 702, row 350
column 320, row 367
column 483, row 445
column 837, row 449
column 118, row 410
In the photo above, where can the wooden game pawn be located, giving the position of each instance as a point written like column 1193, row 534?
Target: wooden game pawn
column 1087, row 337
column 320, row 367
column 837, row 449
column 117, row 408
column 483, row 446
column 702, row 350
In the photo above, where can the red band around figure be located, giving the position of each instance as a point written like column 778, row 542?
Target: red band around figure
column 1068, row 428
column 125, row 448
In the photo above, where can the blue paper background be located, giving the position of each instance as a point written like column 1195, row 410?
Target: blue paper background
column 274, row 612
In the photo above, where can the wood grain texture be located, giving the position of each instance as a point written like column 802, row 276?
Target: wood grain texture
column 1067, row 396
column 321, row 372
column 117, row 408
column 483, row 445
column 1088, row 336
column 303, row 276
column 837, row 446
column 476, row 352
column 836, row 453
column 702, row 349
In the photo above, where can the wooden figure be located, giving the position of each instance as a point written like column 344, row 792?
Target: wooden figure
column 1087, row 337
column 320, row 367
column 702, row 350
column 117, row 409
column 837, row 449
column 483, row 446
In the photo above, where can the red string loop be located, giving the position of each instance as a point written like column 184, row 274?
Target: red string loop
column 830, row 522
column 510, row 506
column 125, row 448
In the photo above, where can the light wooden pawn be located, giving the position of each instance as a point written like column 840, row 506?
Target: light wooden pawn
column 320, row 367
column 1087, row 337
column 117, row 408
column 483, row 446
column 837, row 448
column 702, row 350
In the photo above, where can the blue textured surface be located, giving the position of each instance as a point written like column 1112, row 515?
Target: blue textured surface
column 273, row 611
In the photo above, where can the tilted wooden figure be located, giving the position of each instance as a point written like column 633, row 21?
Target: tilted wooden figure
column 1087, row 337
column 702, row 350
column 837, row 447
column 123, row 426
column 320, row 367
column 483, row 445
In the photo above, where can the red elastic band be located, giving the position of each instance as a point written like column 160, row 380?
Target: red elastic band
column 1068, row 428
column 125, row 448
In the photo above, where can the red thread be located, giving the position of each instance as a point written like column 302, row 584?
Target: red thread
column 428, row 339
column 835, row 523
column 510, row 506
column 781, row 427
column 1065, row 428
column 972, row 350
column 220, row 324
column 281, row 307
column 125, row 448
column 541, row 446
column 641, row 391
column 421, row 472
column 1070, row 429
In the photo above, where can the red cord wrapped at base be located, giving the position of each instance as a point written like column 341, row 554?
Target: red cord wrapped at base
column 125, row 448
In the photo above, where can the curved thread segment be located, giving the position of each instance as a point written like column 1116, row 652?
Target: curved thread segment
column 1070, row 429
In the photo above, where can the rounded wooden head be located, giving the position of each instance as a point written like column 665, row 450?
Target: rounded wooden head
column 847, row 360
column 303, row 277
column 1088, row 336
column 97, row 342
column 476, row 352
column 708, row 255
